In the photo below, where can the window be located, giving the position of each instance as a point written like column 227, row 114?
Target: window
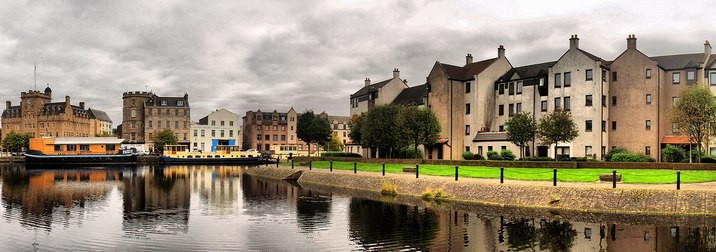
column 567, row 106
column 467, row 87
column 674, row 100
column 647, row 150
column 267, row 137
column 712, row 79
column 690, row 75
column 519, row 87
column 283, row 137
column 614, row 76
column 501, row 109
column 275, row 128
column 84, row 147
column 283, row 127
column 467, row 129
column 479, row 150
column 557, row 80
column 180, row 103
column 275, row 137
column 467, row 148
column 587, row 150
column 512, row 88
column 231, row 123
column 203, row 133
column 604, row 75
column 222, row 123
column 675, row 128
column 588, row 101
column 675, row 78
column 159, row 124
column 73, row 147
column 648, row 124
column 134, row 113
column 213, row 123
column 231, row 133
column 588, row 231
column 134, row 125
column 176, row 124
column 541, row 82
column 512, row 109
column 557, row 104
column 489, row 148
column 467, row 108
column 588, row 125
column 221, row 133
column 614, row 125
column 588, row 74
column 648, row 73
column 518, row 108
column 164, row 102
column 567, row 79
column 196, row 133
column 213, row 133
column 501, row 88
column 604, row 126
column 150, row 124
column 604, row 101
column 184, row 136
column 614, row 100
column 544, row 106
column 648, row 98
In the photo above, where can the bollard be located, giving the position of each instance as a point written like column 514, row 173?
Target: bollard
column 678, row 180
column 331, row 166
column 456, row 172
column 355, row 168
column 278, row 161
column 383, row 169
column 310, row 165
column 554, row 178
column 417, row 168
column 614, row 178
column 291, row 163
column 502, row 175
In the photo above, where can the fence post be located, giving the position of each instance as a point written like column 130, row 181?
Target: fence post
column 456, row 172
column 502, row 175
column 355, row 168
column 310, row 164
column 383, row 169
column 554, row 178
column 417, row 168
column 331, row 166
column 614, row 178
column 678, row 180
column 278, row 161
column 291, row 163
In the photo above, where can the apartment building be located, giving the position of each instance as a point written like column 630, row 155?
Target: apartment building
column 377, row 94
column 145, row 113
column 220, row 127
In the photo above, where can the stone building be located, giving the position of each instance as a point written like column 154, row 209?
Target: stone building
column 220, row 127
column 145, row 113
column 39, row 116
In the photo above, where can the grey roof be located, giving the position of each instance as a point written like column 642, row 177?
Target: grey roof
column 712, row 60
column 343, row 119
column 366, row 89
column 490, row 137
column 171, row 101
column 528, row 71
column 412, row 95
column 12, row 112
column 680, row 61
column 467, row 72
column 99, row 115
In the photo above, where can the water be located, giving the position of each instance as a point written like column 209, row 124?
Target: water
column 199, row 208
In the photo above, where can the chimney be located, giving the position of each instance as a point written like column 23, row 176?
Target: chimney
column 501, row 52
column 67, row 100
column 82, row 105
column 468, row 59
column 631, row 42
column 574, row 42
column 707, row 48
column 396, row 74
column 367, row 82
column 8, row 104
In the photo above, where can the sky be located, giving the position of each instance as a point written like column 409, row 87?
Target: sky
column 309, row 55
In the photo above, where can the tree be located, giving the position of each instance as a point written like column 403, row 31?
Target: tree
column 521, row 129
column 419, row 126
column 164, row 137
column 334, row 144
column 311, row 128
column 380, row 129
column 14, row 141
column 695, row 114
column 356, row 124
column 556, row 127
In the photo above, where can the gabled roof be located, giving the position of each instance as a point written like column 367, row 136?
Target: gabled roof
column 680, row 61
column 712, row 60
column 99, row 115
column 528, row 71
column 412, row 95
column 467, row 72
column 366, row 89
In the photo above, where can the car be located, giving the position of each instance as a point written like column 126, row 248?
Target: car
column 252, row 150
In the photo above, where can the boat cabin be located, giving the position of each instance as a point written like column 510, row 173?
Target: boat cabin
column 75, row 145
column 222, row 151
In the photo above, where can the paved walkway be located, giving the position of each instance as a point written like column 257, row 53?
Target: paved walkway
column 706, row 186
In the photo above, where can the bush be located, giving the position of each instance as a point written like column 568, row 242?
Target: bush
column 388, row 189
column 631, row 157
column 468, row 155
column 493, row 155
column 708, row 159
column 409, row 152
column 673, row 154
column 608, row 156
column 478, row 157
column 694, row 155
column 507, row 155
column 339, row 154
column 434, row 194
column 542, row 159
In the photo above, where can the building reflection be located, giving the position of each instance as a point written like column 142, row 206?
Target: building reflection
column 35, row 196
column 217, row 187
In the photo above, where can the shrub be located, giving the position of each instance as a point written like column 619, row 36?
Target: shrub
column 608, row 156
column 388, row 189
column 409, row 152
column 694, row 155
column 507, row 154
column 478, row 157
column 493, row 155
column 468, row 155
column 673, row 154
column 434, row 194
column 708, row 159
column 339, row 154
column 631, row 157
column 537, row 159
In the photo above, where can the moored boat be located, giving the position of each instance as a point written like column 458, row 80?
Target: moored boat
column 77, row 150
column 224, row 154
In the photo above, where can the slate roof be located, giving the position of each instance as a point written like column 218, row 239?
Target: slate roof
column 12, row 112
column 680, row 61
column 340, row 119
column 490, row 137
column 412, row 95
column 528, row 71
column 712, row 60
column 99, row 115
column 171, row 101
column 467, row 72
column 366, row 89
column 53, row 108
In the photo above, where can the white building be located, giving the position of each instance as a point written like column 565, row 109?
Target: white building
column 220, row 127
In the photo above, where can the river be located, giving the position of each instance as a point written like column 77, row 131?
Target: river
column 199, row 208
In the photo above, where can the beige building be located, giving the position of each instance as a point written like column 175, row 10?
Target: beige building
column 377, row 94
column 145, row 113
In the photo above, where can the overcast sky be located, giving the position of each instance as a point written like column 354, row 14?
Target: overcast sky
column 248, row 55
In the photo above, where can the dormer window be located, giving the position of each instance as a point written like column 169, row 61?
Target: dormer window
column 164, row 102
column 180, row 103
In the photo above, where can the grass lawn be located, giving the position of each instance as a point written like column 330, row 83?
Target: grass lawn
column 634, row 176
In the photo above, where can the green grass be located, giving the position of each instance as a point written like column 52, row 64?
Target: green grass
column 633, row 176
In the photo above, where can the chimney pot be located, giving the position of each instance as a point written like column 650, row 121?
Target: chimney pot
column 367, row 82
column 396, row 74
column 574, row 42
column 468, row 59
column 501, row 52
column 631, row 42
